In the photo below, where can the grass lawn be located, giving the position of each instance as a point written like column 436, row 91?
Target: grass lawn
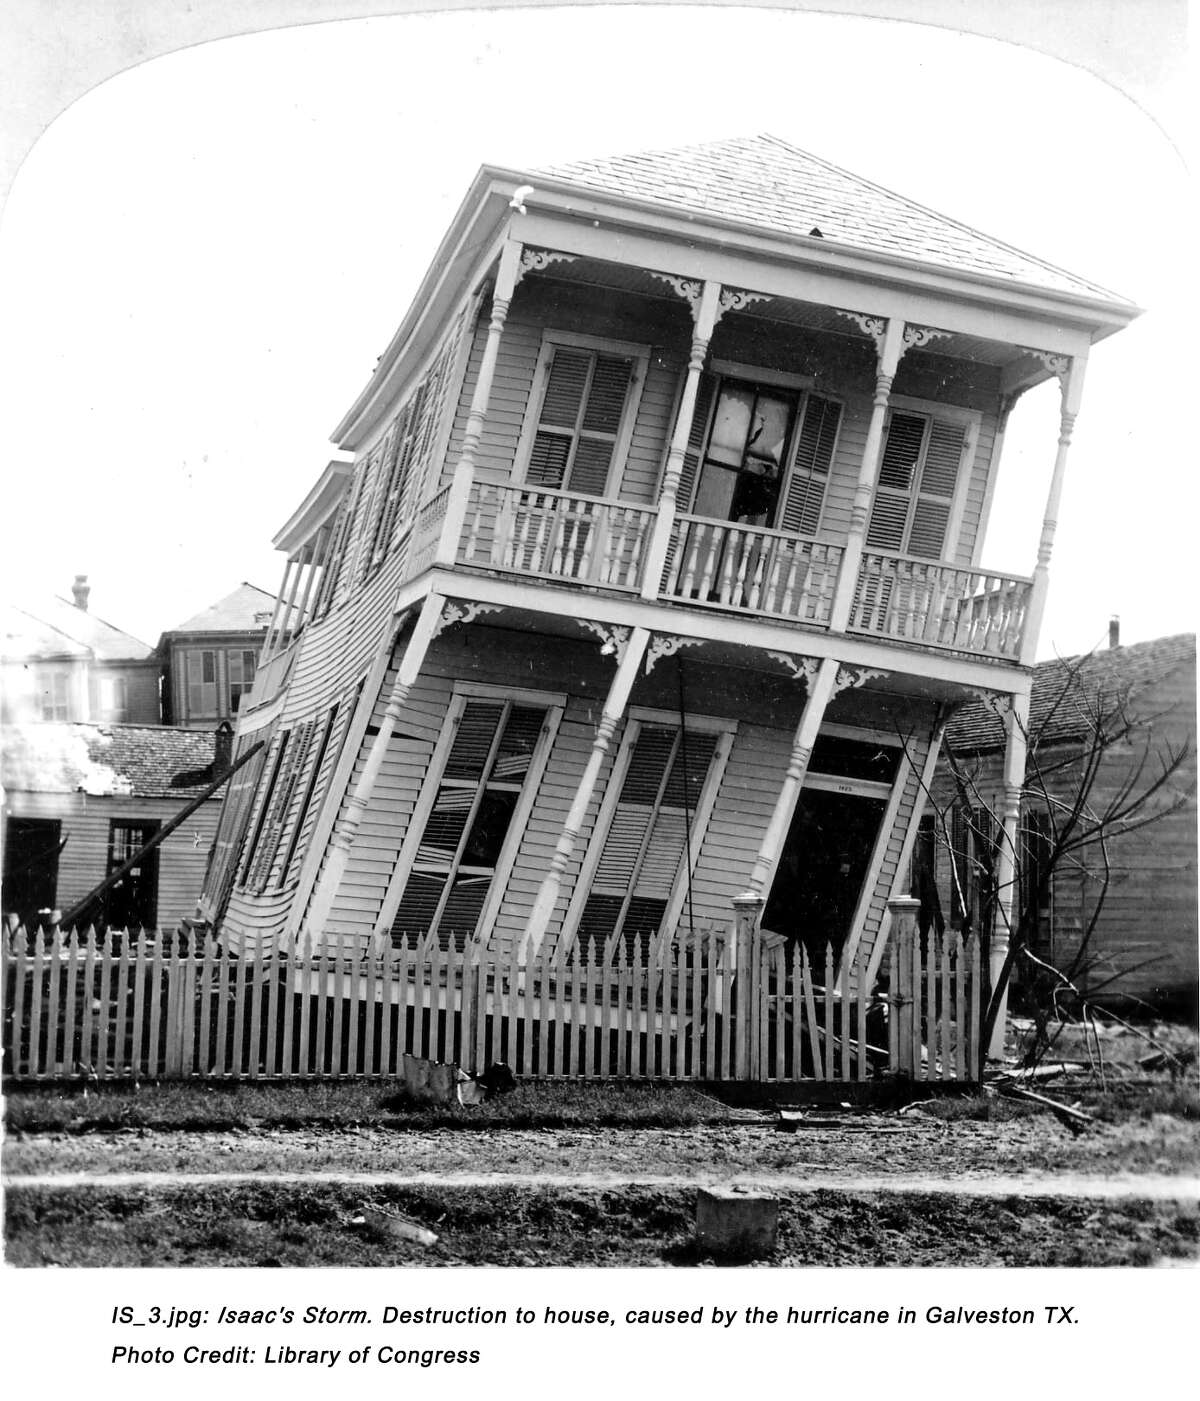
column 354, row 1104
column 268, row 1224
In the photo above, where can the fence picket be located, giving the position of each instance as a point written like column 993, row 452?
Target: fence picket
column 70, row 1004
column 933, row 1070
column 844, row 1008
column 914, row 982
column 55, row 980
column 321, row 1049
column 944, row 1041
column 515, row 972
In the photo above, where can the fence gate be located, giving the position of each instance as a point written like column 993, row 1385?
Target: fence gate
column 717, row 1004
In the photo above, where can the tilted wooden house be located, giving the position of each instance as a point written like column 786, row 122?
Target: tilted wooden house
column 656, row 568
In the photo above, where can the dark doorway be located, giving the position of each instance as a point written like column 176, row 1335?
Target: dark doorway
column 821, row 871
column 133, row 902
column 31, row 848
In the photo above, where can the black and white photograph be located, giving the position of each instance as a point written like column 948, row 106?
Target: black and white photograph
column 598, row 665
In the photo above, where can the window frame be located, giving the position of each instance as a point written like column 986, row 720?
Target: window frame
column 757, row 376
column 601, row 345
column 554, row 703
column 637, row 717
column 971, row 420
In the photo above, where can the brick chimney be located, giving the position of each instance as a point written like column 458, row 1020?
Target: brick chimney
column 1114, row 630
column 80, row 590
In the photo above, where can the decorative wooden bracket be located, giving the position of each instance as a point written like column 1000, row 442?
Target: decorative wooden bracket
column 735, row 299
column 802, row 668
column 666, row 645
column 873, row 326
column 454, row 613
column 539, row 259
column 851, row 676
column 614, row 639
column 689, row 288
column 1058, row 365
column 915, row 337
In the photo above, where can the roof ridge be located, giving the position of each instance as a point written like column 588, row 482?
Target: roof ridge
column 96, row 618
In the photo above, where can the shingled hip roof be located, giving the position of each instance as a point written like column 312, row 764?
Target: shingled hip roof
column 137, row 761
column 764, row 181
column 1061, row 710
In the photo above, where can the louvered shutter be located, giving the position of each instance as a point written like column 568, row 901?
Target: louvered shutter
column 579, row 421
column 918, row 478
column 935, row 495
column 231, row 830
column 897, row 473
column 810, row 466
column 468, row 826
column 705, row 394
column 291, row 768
column 643, row 853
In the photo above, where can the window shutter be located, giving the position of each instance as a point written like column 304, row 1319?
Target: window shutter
column 935, row 496
column 583, row 405
column 646, row 843
column 467, row 829
column 897, row 472
column 918, row 477
column 705, row 394
column 810, row 466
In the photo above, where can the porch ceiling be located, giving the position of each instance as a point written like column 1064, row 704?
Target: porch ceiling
column 810, row 316
column 735, row 657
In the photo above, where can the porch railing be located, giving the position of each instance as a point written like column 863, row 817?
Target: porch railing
column 940, row 605
column 555, row 535
column 751, row 569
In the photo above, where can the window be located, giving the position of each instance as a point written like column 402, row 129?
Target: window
column 201, row 669
column 635, row 875
column 56, row 691
column 231, row 828
column 113, row 697
column 759, row 453
column 585, row 396
column 313, row 777
column 133, row 902
column 468, row 836
column 924, row 463
column 242, row 665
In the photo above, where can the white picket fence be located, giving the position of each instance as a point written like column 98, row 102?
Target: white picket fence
column 120, row 1007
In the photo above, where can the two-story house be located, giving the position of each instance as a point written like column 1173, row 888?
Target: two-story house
column 208, row 661
column 60, row 662
column 656, row 570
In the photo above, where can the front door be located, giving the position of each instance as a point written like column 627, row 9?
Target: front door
column 821, row 871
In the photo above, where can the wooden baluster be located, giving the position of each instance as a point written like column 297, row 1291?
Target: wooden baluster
column 712, row 537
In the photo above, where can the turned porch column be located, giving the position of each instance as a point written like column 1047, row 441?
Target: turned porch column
column 508, row 274
column 1007, row 910
column 631, row 650
column 1070, row 376
column 890, row 346
column 426, row 628
column 820, row 692
column 705, row 312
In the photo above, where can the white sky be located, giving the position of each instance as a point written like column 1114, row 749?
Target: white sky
column 202, row 259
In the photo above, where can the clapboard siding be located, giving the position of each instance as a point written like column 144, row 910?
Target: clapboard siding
column 83, row 863
column 1146, row 928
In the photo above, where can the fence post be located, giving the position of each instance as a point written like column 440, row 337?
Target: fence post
column 902, row 993
column 747, row 916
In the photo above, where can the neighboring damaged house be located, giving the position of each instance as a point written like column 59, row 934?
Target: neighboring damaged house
column 80, row 800
column 1144, row 945
column 663, row 528
column 208, row 661
column 60, row 662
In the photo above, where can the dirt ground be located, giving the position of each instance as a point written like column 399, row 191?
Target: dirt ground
column 1034, row 1148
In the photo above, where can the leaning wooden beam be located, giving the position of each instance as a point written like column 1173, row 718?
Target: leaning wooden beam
column 157, row 839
